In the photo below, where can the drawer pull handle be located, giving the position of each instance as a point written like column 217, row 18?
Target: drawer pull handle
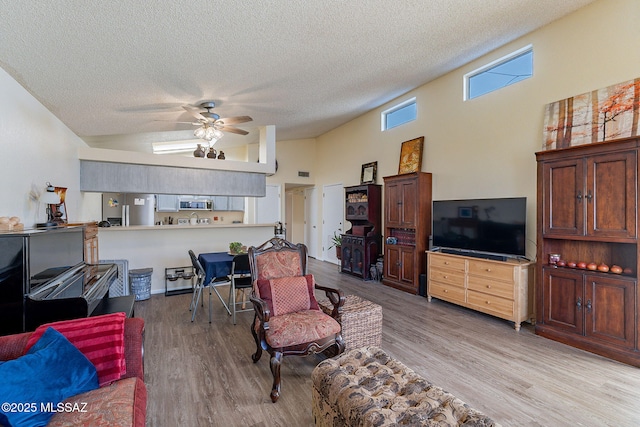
column 446, row 263
column 488, row 269
column 445, row 277
column 446, row 290
column 488, row 302
column 488, row 286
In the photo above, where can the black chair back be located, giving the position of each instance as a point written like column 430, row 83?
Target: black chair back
column 240, row 265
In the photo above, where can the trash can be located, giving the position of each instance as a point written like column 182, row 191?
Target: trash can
column 140, row 281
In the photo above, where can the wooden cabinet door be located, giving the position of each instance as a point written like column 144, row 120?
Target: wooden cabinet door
column 399, row 265
column 392, row 263
column 401, row 198
column 563, row 299
column 409, row 205
column 408, row 267
column 610, row 195
column 392, row 204
column 609, row 310
column 563, row 198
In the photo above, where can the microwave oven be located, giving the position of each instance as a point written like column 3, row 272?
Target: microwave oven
column 195, row 205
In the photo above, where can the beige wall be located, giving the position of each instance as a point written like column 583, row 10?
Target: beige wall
column 35, row 147
column 485, row 147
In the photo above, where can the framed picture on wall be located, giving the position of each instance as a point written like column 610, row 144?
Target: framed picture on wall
column 411, row 156
column 369, row 172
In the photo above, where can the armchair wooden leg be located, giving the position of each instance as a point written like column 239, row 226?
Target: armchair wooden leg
column 276, row 359
column 258, row 354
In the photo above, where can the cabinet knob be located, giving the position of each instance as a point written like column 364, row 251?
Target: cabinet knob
column 445, row 277
column 446, row 263
column 446, row 291
column 488, row 269
column 488, row 286
column 488, row 302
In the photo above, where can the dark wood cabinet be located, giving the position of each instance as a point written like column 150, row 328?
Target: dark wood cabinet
column 588, row 212
column 407, row 227
column 361, row 244
column 595, row 306
column 594, row 196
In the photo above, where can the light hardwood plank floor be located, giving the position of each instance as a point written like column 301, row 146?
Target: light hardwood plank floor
column 201, row 374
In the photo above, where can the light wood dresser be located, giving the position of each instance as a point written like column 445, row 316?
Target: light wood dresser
column 500, row 288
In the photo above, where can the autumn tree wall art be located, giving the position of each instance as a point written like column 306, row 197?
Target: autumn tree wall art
column 596, row 116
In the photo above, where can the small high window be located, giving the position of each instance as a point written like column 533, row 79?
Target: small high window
column 507, row 70
column 399, row 114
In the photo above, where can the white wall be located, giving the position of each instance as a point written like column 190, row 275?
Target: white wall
column 485, row 147
column 36, row 147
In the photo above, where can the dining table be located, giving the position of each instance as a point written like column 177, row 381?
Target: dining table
column 217, row 265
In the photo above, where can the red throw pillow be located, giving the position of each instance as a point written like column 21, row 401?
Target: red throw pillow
column 100, row 339
column 288, row 294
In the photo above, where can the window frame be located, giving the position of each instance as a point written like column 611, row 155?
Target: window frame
column 502, row 60
column 397, row 107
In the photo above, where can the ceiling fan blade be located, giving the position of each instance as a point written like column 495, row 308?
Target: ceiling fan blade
column 174, row 121
column 195, row 113
column 232, row 129
column 235, row 120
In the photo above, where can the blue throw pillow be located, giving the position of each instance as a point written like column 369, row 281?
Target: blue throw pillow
column 32, row 385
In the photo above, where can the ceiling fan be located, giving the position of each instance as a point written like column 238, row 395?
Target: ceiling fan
column 211, row 125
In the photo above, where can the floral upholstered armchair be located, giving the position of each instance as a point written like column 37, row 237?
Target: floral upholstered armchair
column 288, row 320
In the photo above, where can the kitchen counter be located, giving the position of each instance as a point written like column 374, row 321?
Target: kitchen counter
column 167, row 246
column 180, row 227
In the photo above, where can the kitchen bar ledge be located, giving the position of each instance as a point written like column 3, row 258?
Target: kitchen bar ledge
column 167, row 246
column 181, row 226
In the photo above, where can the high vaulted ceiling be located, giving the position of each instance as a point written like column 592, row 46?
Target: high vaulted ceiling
column 113, row 68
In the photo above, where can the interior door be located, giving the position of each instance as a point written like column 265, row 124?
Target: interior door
column 311, row 221
column 332, row 218
column 268, row 207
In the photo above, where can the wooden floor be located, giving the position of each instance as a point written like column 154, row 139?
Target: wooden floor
column 201, row 374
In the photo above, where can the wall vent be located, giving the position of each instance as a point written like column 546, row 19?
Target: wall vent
column 303, row 173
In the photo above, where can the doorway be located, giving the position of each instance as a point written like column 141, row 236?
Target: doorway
column 332, row 219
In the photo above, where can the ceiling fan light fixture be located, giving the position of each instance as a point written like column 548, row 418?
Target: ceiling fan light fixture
column 199, row 133
column 208, row 133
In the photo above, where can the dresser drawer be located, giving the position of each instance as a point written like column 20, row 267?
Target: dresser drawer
column 446, row 261
column 446, row 292
column 490, row 304
column 491, row 270
column 490, row 286
column 450, row 277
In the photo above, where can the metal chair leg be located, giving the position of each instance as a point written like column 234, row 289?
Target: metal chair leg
column 195, row 306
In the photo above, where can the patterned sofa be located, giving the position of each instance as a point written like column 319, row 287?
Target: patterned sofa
column 365, row 387
column 122, row 403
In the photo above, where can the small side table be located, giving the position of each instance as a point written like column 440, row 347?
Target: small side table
column 361, row 321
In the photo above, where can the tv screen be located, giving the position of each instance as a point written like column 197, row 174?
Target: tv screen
column 484, row 225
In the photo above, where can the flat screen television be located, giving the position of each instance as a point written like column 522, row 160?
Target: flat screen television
column 483, row 226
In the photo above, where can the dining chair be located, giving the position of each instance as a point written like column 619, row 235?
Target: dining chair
column 240, row 280
column 200, row 285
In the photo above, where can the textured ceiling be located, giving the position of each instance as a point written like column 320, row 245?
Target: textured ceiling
column 113, row 68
